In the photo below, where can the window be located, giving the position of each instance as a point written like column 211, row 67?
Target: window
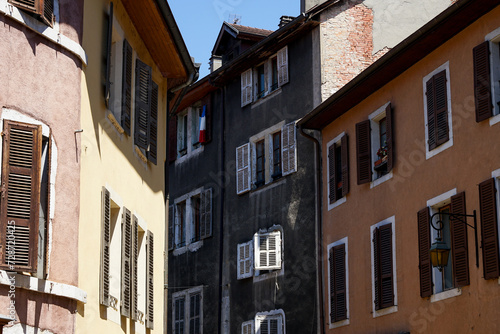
column 268, row 77
column 438, row 135
column 454, row 233
column 245, row 260
column 188, row 311
column 270, row 322
column 190, row 219
column 268, row 156
column 338, row 170
column 185, row 137
column 384, row 283
column 132, row 247
column 247, row 327
column 267, row 249
column 43, row 10
column 489, row 229
column 24, row 206
column 375, row 143
column 123, row 80
column 338, row 283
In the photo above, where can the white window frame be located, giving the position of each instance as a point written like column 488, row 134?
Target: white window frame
column 186, row 294
column 193, row 131
column 189, row 245
column 257, row 251
column 375, row 117
column 449, row 143
column 496, row 175
column 394, row 308
column 243, row 260
column 51, row 33
column 249, row 326
column 494, row 41
column 335, row 141
column 250, row 80
column 270, row 315
column 348, row 320
column 434, row 205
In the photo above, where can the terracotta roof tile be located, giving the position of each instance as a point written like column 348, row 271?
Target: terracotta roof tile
column 250, row 30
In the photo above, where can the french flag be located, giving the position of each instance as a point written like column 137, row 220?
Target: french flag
column 203, row 126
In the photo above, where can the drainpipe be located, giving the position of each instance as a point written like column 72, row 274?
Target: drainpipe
column 319, row 230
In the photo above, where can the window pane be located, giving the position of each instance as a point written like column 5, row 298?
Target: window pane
column 447, row 273
column 274, row 82
column 338, row 171
column 277, row 154
column 261, row 81
column 260, row 168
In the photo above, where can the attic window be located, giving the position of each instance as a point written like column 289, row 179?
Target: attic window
column 42, row 10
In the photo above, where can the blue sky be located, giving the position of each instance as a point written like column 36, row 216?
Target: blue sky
column 200, row 20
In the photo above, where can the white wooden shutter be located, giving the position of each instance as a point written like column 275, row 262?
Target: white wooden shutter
column 246, row 87
column 126, row 256
column 105, row 251
column 206, row 214
column 267, row 251
column 245, row 260
column 272, row 324
column 283, row 66
column 243, row 168
column 288, row 149
column 247, row 327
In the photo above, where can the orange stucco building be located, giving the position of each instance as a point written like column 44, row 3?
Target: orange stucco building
column 414, row 135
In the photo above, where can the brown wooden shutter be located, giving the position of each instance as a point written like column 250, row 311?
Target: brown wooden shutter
column 126, row 87
column 19, row 219
column 150, row 281
column 389, row 119
column 171, row 226
column 126, row 257
column 207, row 102
column 338, row 284
column 424, row 245
column 363, row 152
column 459, row 247
column 489, row 229
column 386, row 272
column 153, row 126
column 43, row 8
column 376, row 267
column 105, row 247
column 143, row 92
column 172, row 138
column 206, row 214
column 134, row 268
column 482, row 82
column 437, row 110
column 344, row 142
column 331, row 173
column 109, row 42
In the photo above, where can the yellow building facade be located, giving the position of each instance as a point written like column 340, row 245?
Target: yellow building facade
column 136, row 58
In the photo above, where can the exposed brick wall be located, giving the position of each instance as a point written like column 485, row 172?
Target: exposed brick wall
column 346, row 44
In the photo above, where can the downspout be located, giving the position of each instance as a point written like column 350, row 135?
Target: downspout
column 319, row 230
column 222, row 193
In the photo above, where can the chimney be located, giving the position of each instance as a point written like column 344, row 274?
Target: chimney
column 215, row 63
column 305, row 5
column 284, row 20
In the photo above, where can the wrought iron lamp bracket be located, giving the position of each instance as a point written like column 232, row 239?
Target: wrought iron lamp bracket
column 458, row 216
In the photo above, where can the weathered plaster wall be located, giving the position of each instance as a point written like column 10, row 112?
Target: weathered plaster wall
column 355, row 33
column 41, row 81
column 416, row 180
column 109, row 159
